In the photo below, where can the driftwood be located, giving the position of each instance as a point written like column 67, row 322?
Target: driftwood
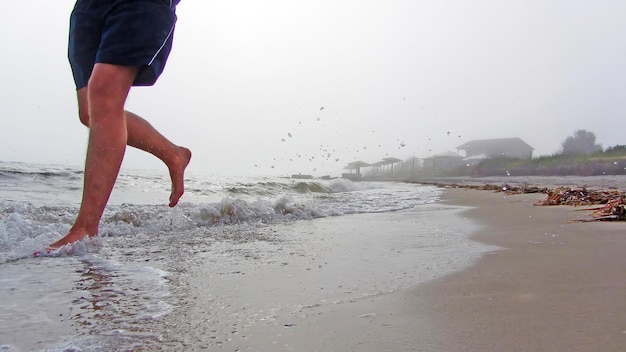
column 612, row 201
column 613, row 210
column 491, row 187
column 579, row 197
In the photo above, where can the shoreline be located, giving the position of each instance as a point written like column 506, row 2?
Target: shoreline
column 557, row 284
column 328, row 289
column 532, row 279
column 552, row 285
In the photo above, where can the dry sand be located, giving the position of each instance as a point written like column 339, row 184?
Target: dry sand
column 557, row 285
column 560, row 285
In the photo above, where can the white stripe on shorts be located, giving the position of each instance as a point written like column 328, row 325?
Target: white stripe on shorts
column 162, row 45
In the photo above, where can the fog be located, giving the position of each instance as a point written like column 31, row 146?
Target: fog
column 282, row 87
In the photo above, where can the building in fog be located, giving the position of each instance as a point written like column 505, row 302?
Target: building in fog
column 442, row 162
column 355, row 170
column 497, row 148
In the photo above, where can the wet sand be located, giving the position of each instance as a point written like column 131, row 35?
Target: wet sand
column 323, row 287
column 556, row 285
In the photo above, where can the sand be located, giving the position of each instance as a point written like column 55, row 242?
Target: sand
column 556, row 285
column 559, row 285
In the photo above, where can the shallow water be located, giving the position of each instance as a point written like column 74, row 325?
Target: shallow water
column 237, row 253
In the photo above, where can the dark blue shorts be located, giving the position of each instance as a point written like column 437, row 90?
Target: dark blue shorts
column 134, row 33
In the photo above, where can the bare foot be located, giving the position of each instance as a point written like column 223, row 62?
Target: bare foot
column 74, row 235
column 177, row 174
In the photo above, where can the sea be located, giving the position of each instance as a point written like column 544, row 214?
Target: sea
column 237, row 252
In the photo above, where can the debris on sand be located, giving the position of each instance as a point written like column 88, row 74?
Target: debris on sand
column 612, row 201
column 579, row 196
column 506, row 188
column 613, row 210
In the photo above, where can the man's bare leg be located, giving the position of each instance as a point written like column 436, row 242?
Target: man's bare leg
column 107, row 92
column 142, row 135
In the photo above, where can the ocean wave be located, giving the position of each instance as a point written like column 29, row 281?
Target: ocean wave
column 29, row 222
column 314, row 187
column 15, row 170
column 25, row 228
column 230, row 211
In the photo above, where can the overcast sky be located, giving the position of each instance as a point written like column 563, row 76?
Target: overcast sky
column 281, row 87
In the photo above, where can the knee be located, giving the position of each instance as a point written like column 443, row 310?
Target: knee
column 108, row 88
column 83, row 115
column 101, row 98
column 83, row 106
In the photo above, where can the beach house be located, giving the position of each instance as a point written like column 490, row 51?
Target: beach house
column 442, row 162
column 497, row 148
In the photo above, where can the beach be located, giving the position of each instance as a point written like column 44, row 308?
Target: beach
column 334, row 290
column 558, row 284
column 552, row 284
column 312, row 267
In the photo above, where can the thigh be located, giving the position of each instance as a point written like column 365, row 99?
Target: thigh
column 108, row 89
column 135, row 33
column 85, row 33
column 138, row 33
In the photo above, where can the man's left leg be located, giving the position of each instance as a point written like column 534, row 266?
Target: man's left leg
column 142, row 135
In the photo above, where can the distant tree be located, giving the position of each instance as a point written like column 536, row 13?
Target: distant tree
column 581, row 142
column 616, row 150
